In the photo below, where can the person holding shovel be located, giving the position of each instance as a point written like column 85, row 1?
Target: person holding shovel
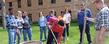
column 80, row 17
column 56, row 30
column 101, row 21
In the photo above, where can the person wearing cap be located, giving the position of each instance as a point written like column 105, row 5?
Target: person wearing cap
column 80, row 16
column 11, row 26
column 101, row 21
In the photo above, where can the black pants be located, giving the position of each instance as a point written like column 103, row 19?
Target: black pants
column 51, row 37
column 67, row 29
column 87, row 31
column 64, row 33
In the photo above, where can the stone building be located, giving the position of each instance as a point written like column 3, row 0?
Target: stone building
column 33, row 7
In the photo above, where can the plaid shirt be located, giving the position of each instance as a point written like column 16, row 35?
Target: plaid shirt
column 102, row 19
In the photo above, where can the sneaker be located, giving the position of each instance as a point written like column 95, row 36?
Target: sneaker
column 80, row 43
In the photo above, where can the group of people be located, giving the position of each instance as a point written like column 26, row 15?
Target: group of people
column 101, row 22
column 58, row 31
column 17, row 25
column 58, row 26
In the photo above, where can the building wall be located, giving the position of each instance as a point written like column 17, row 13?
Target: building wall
column 47, row 7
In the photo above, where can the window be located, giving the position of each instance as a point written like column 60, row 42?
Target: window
column 67, row 0
column 29, row 3
column 19, row 3
column 53, row 1
column 10, row 4
column 40, row 2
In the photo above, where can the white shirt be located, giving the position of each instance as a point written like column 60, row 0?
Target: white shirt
column 20, row 22
column 67, row 17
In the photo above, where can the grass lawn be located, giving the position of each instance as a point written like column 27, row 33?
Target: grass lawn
column 73, row 38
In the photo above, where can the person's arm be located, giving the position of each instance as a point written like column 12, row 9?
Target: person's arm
column 30, row 21
column 69, row 17
column 46, row 20
column 89, row 13
column 50, row 22
column 89, row 16
column 78, row 16
column 90, row 19
column 7, row 24
column 22, row 21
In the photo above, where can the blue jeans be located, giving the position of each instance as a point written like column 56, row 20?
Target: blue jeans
column 11, row 36
column 18, row 35
column 42, row 30
column 25, row 32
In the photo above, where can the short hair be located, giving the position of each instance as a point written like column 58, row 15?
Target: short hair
column 98, row 1
column 61, row 22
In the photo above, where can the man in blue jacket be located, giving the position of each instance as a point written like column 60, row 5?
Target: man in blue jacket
column 80, row 17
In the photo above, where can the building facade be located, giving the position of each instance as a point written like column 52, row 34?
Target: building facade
column 33, row 7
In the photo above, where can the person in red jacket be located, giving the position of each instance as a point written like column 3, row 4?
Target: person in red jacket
column 56, row 30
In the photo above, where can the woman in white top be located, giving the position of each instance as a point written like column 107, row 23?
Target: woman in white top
column 67, row 17
column 20, row 22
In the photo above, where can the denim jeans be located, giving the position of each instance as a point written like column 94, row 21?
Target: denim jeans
column 25, row 32
column 42, row 30
column 18, row 35
column 11, row 36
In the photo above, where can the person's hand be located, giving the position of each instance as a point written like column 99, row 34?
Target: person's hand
column 17, row 31
column 14, row 25
column 86, row 18
column 49, row 26
column 89, row 19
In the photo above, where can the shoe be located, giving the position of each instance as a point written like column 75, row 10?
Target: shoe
column 80, row 43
